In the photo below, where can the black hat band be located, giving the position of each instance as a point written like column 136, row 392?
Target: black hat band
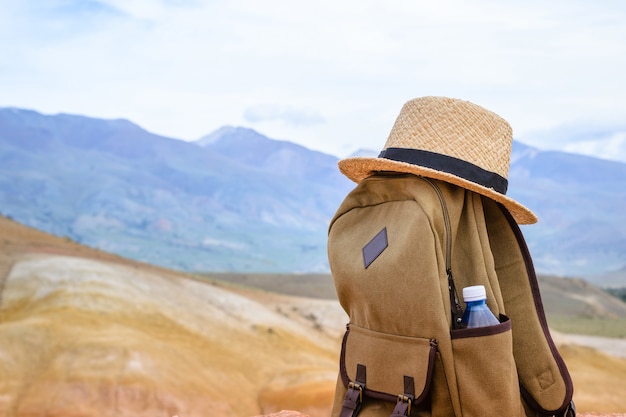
column 448, row 164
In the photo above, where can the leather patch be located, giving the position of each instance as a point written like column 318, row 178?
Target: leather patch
column 375, row 247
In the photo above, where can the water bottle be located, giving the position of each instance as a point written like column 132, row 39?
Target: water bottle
column 477, row 314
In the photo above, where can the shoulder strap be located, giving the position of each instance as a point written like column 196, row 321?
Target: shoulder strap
column 545, row 382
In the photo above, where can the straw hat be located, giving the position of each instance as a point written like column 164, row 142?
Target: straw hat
column 450, row 140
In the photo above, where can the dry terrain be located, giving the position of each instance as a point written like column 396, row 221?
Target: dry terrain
column 87, row 333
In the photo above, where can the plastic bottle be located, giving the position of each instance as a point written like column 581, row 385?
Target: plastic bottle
column 477, row 314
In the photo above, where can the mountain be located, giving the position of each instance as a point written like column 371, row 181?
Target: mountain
column 236, row 200
column 581, row 204
column 282, row 158
column 112, row 185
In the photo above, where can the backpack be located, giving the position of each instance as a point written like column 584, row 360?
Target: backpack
column 399, row 246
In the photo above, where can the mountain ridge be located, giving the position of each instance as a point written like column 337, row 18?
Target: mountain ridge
column 236, row 200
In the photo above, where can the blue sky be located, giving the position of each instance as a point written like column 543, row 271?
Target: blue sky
column 331, row 75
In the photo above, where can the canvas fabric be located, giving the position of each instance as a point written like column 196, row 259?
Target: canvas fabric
column 396, row 293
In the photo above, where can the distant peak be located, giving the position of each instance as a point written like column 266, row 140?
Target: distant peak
column 228, row 132
column 18, row 110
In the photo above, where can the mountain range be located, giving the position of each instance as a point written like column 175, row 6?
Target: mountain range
column 236, row 200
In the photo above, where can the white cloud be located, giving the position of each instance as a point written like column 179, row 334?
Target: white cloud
column 604, row 140
column 285, row 113
column 331, row 75
column 139, row 9
column 611, row 146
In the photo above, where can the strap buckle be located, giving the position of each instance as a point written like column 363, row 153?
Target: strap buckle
column 356, row 386
column 403, row 406
column 406, row 399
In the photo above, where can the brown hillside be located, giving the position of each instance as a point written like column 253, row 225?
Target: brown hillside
column 84, row 333
column 87, row 333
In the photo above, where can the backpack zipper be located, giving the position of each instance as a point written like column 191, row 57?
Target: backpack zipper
column 455, row 305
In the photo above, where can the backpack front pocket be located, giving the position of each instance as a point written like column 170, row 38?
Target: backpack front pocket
column 387, row 367
column 485, row 370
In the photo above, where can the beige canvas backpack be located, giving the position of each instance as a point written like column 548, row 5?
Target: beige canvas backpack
column 399, row 247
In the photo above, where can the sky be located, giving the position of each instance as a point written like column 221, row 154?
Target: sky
column 331, row 75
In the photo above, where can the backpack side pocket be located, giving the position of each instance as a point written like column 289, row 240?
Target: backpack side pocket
column 485, row 371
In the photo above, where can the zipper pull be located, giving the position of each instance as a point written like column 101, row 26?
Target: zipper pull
column 455, row 305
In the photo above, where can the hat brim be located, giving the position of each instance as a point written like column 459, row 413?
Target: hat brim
column 358, row 168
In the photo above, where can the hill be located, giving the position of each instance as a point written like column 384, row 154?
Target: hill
column 572, row 305
column 83, row 333
column 86, row 333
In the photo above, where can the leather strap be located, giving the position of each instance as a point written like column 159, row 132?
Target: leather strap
column 403, row 406
column 569, row 412
column 354, row 396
